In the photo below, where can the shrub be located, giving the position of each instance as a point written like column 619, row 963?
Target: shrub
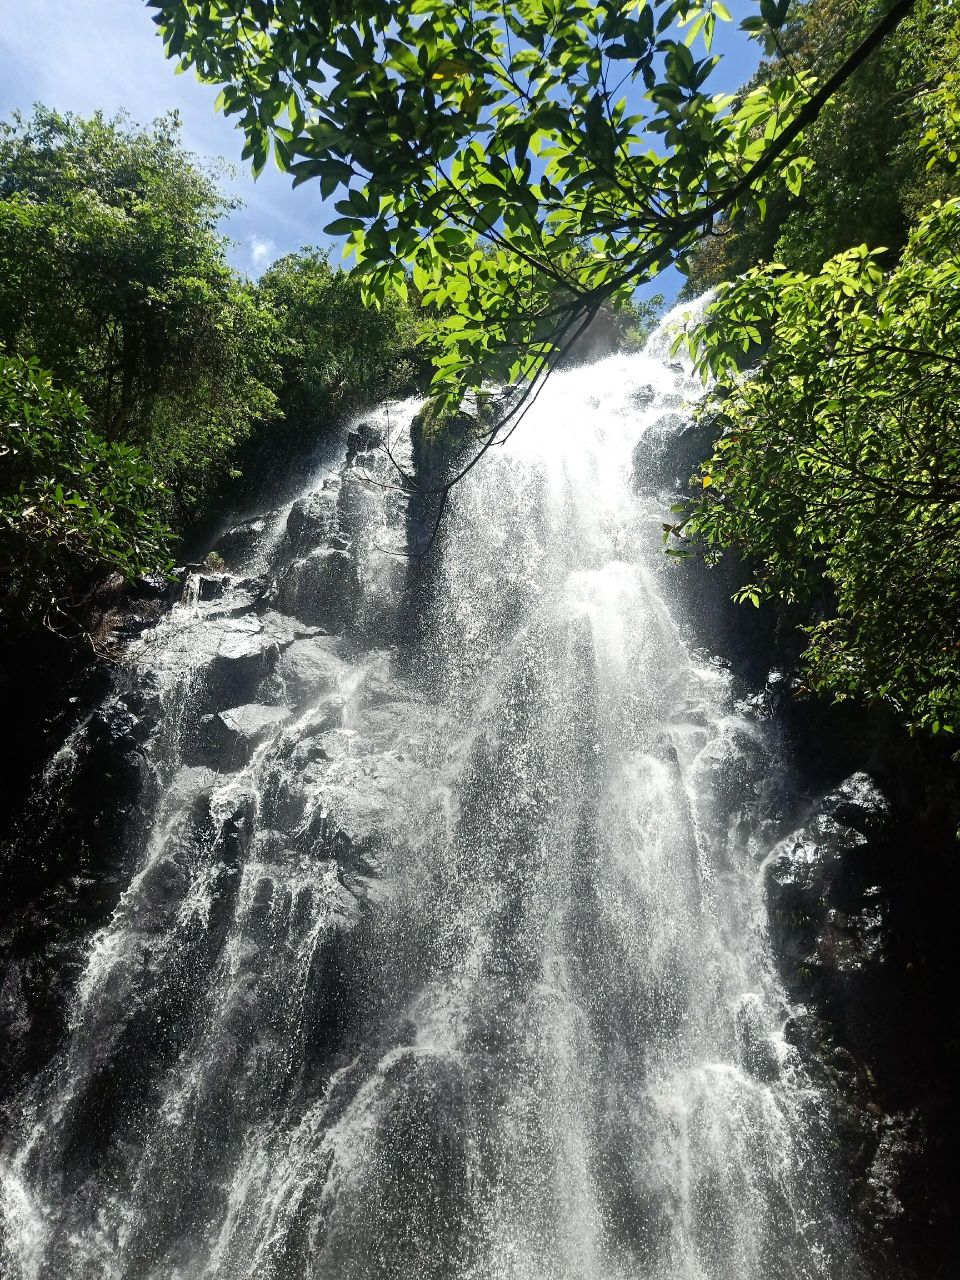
column 73, row 506
column 837, row 466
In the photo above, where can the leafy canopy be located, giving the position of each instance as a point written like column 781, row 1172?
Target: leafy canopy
column 870, row 148
column 334, row 353
column 73, row 506
column 578, row 139
column 113, row 275
column 836, row 471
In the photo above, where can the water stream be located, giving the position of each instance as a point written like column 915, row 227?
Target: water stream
column 445, row 962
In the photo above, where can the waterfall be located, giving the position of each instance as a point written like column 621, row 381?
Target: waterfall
column 444, row 961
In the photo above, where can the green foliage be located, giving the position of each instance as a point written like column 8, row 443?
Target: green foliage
column 939, row 143
column 112, row 274
column 335, row 354
column 836, row 471
column 635, row 319
column 869, row 175
column 73, row 506
column 536, row 128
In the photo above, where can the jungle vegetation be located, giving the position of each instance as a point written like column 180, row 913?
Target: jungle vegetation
column 833, row 346
column 526, row 160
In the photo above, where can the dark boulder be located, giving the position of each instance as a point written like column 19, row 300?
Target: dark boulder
column 227, row 739
column 238, row 543
column 312, row 520
column 212, row 586
column 309, row 669
column 240, row 663
column 825, row 906
column 320, row 589
column 363, row 438
column 668, row 454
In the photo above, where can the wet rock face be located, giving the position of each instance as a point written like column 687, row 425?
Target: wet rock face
column 236, row 545
column 871, row 1022
column 755, row 1051
column 310, row 668
column 668, row 454
column 258, row 640
column 70, row 851
column 243, row 659
column 827, row 908
column 73, row 832
column 416, row 1195
column 230, row 737
column 320, row 589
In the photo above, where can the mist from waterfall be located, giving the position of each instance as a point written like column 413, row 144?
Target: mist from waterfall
column 444, row 961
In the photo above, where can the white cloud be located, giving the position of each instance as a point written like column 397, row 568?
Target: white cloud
column 261, row 252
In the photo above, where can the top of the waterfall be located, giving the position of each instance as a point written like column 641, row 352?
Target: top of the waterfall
column 682, row 316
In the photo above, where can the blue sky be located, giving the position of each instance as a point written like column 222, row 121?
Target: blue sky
column 85, row 55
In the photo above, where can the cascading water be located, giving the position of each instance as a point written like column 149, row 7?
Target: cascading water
column 449, row 967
